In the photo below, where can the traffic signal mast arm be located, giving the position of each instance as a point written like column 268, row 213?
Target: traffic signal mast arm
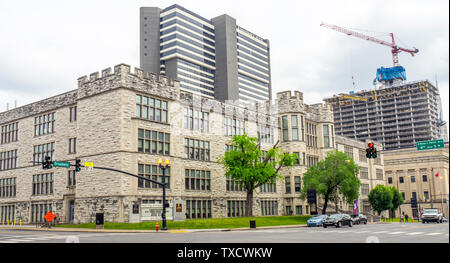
column 395, row 49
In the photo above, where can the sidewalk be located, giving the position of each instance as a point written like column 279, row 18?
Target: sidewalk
column 60, row 229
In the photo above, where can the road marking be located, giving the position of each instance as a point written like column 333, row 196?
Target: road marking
column 19, row 240
column 380, row 232
column 178, row 231
column 396, row 233
column 359, row 232
column 433, row 234
column 415, row 233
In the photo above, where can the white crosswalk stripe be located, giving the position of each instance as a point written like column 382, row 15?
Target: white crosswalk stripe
column 380, row 232
column 396, row 233
column 414, row 233
column 433, row 234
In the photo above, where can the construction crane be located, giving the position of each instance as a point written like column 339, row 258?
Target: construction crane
column 394, row 48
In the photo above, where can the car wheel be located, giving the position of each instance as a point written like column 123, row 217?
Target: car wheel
column 423, row 222
column 365, row 222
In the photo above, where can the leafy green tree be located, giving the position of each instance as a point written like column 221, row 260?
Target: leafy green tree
column 246, row 165
column 334, row 176
column 380, row 198
column 397, row 199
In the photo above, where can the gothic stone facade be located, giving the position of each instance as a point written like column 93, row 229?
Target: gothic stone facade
column 127, row 121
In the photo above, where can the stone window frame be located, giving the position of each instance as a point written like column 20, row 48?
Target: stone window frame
column 269, row 207
column 155, row 173
column 71, row 178
column 72, row 145
column 197, row 180
column 158, row 142
column 195, row 149
column 294, row 128
column 151, row 106
column 195, row 120
column 10, row 133
column 234, row 126
column 39, row 152
column 236, row 208
column 8, row 187
column 232, row 185
column 266, row 134
column 8, row 160
column 297, row 184
column 41, row 182
column 268, row 188
column 202, row 211
column 73, row 114
column 44, row 124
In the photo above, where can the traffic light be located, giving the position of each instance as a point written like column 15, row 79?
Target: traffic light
column 77, row 165
column 371, row 151
column 47, row 164
column 311, row 195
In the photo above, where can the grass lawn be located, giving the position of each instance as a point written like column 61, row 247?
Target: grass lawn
column 397, row 220
column 210, row 223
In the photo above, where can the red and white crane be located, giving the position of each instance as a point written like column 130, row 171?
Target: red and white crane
column 394, row 48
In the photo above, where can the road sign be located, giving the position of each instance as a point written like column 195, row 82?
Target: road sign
column 49, row 217
column 61, row 164
column 89, row 164
column 428, row 145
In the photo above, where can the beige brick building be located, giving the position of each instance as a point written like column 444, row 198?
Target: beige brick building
column 414, row 172
column 127, row 121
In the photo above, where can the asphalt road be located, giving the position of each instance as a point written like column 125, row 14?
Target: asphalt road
column 382, row 233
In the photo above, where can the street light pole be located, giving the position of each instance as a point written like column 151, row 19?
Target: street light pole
column 163, row 165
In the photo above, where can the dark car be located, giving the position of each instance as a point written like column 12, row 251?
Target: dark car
column 359, row 219
column 338, row 220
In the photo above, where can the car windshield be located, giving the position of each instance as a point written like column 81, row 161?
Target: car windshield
column 430, row 211
column 320, row 217
column 355, row 216
column 335, row 216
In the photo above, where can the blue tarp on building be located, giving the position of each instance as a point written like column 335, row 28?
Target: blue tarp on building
column 387, row 74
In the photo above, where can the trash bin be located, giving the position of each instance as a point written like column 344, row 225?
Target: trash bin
column 252, row 223
column 99, row 220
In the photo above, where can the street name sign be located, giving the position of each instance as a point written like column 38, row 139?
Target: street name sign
column 428, row 145
column 61, row 164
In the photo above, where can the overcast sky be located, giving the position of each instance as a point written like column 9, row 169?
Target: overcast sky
column 46, row 45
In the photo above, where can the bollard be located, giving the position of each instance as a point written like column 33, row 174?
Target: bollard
column 20, row 222
column 157, row 226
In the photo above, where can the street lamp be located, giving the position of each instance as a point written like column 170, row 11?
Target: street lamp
column 163, row 165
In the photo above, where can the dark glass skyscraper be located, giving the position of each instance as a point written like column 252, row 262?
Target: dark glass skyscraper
column 213, row 58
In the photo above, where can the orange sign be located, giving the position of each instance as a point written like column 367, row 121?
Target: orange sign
column 49, row 216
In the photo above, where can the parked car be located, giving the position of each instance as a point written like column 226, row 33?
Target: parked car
column 356, row 219
column 338, row 220
column 316, row 221
column 431, row 215
column 362, row 218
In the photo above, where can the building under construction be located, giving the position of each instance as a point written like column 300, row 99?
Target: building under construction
column 397, row 115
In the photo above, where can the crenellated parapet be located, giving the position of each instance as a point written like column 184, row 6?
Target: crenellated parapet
column 122, row 77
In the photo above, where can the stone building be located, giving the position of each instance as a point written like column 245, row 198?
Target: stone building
column 127, row 121
column 421, row 174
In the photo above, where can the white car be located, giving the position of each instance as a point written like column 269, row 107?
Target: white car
column 432, row 215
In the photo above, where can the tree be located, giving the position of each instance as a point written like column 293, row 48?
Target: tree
column 336, row 175
column 380, row 198
column 246, row 165
column 397, row 199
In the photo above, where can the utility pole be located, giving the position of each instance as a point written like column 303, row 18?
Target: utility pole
column 163, row 165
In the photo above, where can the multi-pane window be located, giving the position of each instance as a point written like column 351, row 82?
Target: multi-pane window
column 196, row 120
column 234, row 126
column 265, row 134
column 364, row 189
column 38, row 211
column 229, row 147
column 349, row 151
column 44, row 124
column 153, row 142
column 362, row 155
column 364, row 173
column 424, row 178
column 287, row 183
column 10, row 133
column 196, row 149
column 40, row 151
column 326, row 136
column 71, row 178
column 233, row 185
column 299, row 210
column 268, row 188
column 72, row 145
column 73, row 113
column 8, row 187
column 294, row 126
column 43, row 184
column 285, row 127
column 8, row 160
column 298, row 183
column 311, row 135
column 7, row 213
column 198, row 209
column 312, row 161
column 413, row 179
column 303, row 128
column 236, row 208
column 151, row 109
column 297, row 162
column 400, row 179
column 197, row 180
column 269, row 207
column 379, row 174
column 152, row 172
column 390, row 180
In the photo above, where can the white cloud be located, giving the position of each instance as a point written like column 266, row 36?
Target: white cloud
column 46, row 45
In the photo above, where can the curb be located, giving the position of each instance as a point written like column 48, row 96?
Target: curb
column 60, row 229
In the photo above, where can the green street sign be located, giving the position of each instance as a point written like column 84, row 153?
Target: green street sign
column 428, row 145
column 61, row 164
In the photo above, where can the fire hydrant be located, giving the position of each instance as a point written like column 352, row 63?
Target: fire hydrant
column 157, row 226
